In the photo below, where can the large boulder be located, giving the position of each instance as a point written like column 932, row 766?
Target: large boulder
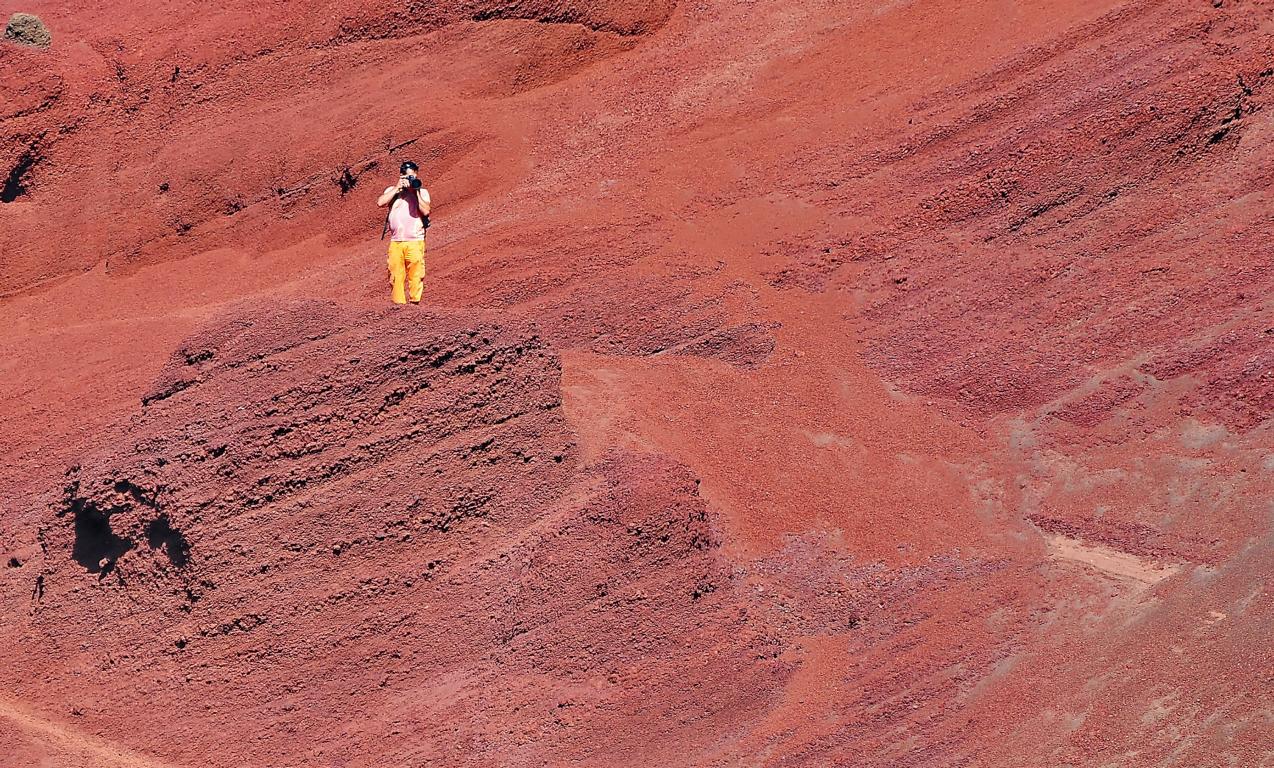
column 26, row 29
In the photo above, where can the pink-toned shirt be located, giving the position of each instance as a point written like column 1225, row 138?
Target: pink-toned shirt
column 404, row 216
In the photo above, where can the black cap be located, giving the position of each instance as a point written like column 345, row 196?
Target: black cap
column 409, row 164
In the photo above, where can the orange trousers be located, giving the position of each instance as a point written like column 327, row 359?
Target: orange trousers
column 407, row 270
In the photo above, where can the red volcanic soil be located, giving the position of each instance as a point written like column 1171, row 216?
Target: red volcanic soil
column 797, row 384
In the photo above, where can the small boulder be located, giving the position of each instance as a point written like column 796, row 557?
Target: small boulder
column 26, row 29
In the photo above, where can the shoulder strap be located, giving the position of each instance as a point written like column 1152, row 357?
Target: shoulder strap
column 388, row 210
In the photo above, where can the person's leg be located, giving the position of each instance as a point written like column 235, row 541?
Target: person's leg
column 397, row 272
column 415, row 258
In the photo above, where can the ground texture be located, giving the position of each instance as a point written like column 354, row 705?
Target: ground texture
column 799, row 383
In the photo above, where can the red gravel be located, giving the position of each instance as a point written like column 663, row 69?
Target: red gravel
column 799, row 384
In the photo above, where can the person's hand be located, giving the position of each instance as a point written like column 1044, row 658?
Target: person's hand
column 402, row 182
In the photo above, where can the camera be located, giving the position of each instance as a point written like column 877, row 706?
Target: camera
column 414, row 182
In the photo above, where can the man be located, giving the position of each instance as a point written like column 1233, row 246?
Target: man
column 408, row 217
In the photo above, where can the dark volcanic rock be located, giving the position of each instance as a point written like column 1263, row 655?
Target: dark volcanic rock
column 27, row 29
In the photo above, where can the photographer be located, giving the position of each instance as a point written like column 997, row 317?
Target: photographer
column 407, row 220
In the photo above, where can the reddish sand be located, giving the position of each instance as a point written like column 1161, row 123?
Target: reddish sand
column 799, row 384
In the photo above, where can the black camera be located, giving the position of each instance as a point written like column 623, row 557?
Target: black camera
column 414, row 182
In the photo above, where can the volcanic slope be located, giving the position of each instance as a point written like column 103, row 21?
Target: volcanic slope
column 800, row 383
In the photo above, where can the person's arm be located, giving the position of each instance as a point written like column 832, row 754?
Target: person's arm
column 388, row 195
column 422, row 196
